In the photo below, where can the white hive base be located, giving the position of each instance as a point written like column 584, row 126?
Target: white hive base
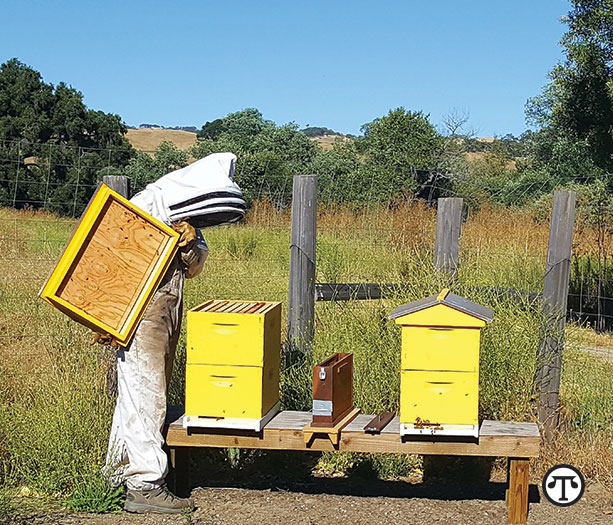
column 238, row 423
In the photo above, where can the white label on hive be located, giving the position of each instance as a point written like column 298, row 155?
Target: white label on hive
column 322, row 408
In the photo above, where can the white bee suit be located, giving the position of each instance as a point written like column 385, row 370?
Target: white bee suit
column 205, row 189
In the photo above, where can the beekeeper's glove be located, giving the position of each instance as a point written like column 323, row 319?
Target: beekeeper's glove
column 103, row 339
column 188, row 234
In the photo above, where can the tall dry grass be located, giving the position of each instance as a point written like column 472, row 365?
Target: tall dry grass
column 54, row 408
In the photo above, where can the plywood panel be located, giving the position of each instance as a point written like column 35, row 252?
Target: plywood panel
column 113, row 266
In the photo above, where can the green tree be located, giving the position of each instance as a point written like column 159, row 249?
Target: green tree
column 55, row 149
column 144, row 168
column 402, row 150
column 577, row 104
column 268, row 155
column 240, row 127
column 211, row 130
column 400, row 154
column 337, row 169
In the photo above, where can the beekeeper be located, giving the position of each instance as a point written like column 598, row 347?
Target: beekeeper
column 201, row 195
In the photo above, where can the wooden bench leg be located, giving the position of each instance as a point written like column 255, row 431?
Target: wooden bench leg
column 179, row 478
column 517, row 494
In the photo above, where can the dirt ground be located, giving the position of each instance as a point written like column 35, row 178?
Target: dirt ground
column 342, row 501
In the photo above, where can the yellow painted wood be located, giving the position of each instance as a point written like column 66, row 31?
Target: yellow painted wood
column 83, row 233
column 440, row 348
column 270, row 384
column 440, row 397
column 440, row 315
column 444, row 293
column 223, row 391
column 440, row 365
column 229, row 339
column 230, row 391
column 233, row 362
column 233, row 339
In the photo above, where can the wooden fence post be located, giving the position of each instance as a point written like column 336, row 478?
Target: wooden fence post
column 118, row 183
column 447, row 242
column 555, row 295
column 301, row 305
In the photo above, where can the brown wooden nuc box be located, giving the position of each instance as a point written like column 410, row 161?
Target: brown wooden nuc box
column 332, row 390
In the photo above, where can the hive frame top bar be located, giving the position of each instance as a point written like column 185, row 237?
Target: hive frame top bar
column 235, row 307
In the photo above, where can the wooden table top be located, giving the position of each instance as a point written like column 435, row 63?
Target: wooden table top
column 284, row 432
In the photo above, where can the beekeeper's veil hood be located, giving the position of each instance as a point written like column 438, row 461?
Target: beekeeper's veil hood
column 204, row 192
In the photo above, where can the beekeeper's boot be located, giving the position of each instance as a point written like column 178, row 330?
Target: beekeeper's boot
column 156, row 500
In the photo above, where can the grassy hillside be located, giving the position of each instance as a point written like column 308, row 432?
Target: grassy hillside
column 148, row 139
column 326, row 141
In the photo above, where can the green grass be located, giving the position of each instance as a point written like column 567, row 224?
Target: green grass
column 96, row 496
column 57, row 423
column 587, row 392
column 55, row 412
column 7, row 504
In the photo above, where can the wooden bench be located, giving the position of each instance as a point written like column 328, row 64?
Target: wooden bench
column 516, row 441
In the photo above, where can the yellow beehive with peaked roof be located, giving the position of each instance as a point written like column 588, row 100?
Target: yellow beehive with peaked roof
column 439, row 382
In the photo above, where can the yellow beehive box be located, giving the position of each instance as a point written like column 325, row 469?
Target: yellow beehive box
column 111, row 266
column 233, row 359
column 439, row 381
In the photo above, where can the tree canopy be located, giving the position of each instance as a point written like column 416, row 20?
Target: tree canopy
column 268, row 154
column 401, row 152
column 573, row 142
column 397, row 154
column 51, row 124
column 576, row 106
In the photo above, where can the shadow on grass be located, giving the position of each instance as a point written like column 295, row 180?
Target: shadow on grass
column 290, row 471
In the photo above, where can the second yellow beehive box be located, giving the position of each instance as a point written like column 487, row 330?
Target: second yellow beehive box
column 439, row 382
column 233, row 359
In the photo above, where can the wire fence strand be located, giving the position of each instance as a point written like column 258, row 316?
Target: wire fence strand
column 360, row 239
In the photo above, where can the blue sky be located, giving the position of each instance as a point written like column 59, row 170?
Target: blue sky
column 329, row 63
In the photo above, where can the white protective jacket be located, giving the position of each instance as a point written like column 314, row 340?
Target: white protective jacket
column 205, row 193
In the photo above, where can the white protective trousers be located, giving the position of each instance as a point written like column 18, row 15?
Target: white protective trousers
column 135, row 456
